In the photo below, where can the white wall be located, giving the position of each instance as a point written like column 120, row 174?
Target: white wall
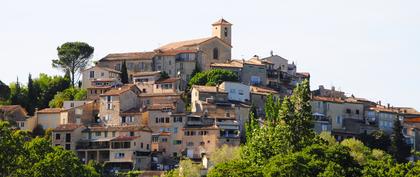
column 237, row 91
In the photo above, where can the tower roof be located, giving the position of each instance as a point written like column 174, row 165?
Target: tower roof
column 221, row 22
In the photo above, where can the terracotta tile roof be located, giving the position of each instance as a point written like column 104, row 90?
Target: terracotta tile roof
column 131, row 111
column 328, row 99
column 221, row 22
column 50, row 110
column 147, row 73
column 165, row 134
column 127, row 128
column 104, row 68
column 379, row 108
column 161, row 106
column 254, row 61
column 129, row 56
column 232, row 64
column 173, row 52
column 125, row 138
column 68, row 127
column 187, row 43
column 209, row 89
column 168, row 80
column 119, row 90
column 262, row 90
column 11, row 108
column 412, row 120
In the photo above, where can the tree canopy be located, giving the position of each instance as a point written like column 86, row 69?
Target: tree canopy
column 213, row 77
column 4, row 92
column 124, row 73
column 36, row 157
column 70, row 94
column 73, row 57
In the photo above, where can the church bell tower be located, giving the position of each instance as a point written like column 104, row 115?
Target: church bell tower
column 223, row 30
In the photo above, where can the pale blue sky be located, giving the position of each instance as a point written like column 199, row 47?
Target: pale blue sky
column 367, row 47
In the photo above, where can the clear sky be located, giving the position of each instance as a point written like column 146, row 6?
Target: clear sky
column 370, row 48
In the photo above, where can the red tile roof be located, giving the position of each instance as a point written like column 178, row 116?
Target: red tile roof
column 10, row 108
column 412, row 120
column 119, row 90
column 129, row 56
column 50, row 110
column 127, row 128
column 68, row 127
column 168, row 80
column 328, row 99
column 221, row 22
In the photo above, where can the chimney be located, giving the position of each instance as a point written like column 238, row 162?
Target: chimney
column 332, row 88
column 379, row 102
column 388, row 106
column 321, row 87
column 271, row 53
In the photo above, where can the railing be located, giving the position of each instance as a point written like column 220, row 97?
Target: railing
column 92, row 145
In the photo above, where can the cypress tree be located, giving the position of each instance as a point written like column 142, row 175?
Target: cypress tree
column 31, row 96
column 124, row 73
column 399, row 148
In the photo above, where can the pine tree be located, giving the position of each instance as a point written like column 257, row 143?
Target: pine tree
column 399, row 148
column 124, row 73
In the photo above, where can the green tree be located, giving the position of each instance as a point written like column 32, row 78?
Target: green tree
column 225, row 154
column 235, row 168
column 4, row 92
column 124, row 73
column 73, row 57
column 69, row 94
column 213, row 77
column 376, row 140
column 32, row 96
column 272, row 107
column 11, row 147
column 163, row 75
column 399, row 148
column 187, row 168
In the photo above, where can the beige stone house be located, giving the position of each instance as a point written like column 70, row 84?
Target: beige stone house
column 18, row 116
column 67, row 135
column 120, row 106
column 146, row 80
column 103, row 76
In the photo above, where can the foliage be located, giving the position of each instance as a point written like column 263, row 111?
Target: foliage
column 163, row 75
column 186, row 168
column 235, row 168
column 69, row 94
column 4, row 91
column 124, row 73
column 327, row 137
column 38, row 131
column 399, row 148
column 265, row 142
column 73, row 57
column 224, row 154
column 31, row 96
column 272, row 107
column 376, row 140
column 213, row 77
column 20, row 156
column 133, row 173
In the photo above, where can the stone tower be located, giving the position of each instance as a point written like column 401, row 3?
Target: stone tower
column 223, row 30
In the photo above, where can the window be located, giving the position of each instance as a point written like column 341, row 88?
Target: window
column 57, row 136
column 338, row 120
column 157, row 86
column 22, row 124
column 97, row 133
column 170, row 62
column 175, row 129
column 167, row 120
column 68, row 137
column 108, row 98
column 67, row 147
column 216, row 53
column 102, row 74
column 113, row 134
column 164, row 140
column 190, row 143
column 141, row 145
column 155, row 139
column 131, row 133
column 232, row 91
column 357, row 112
column 106, row 134
column 226, row 32
column 147, row 146
column 123, row 119
column 162, row 120
column 177, row 142
column 92, row 74
column 109, row 106
column 227, row 114
column 177, row 119
column 157, row 119
column 119, row 155
column 348, row 111
column 324, row 127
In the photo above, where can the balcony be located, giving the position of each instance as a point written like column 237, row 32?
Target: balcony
column 92, row 145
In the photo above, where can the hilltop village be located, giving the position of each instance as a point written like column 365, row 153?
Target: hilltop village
column 148, row 123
